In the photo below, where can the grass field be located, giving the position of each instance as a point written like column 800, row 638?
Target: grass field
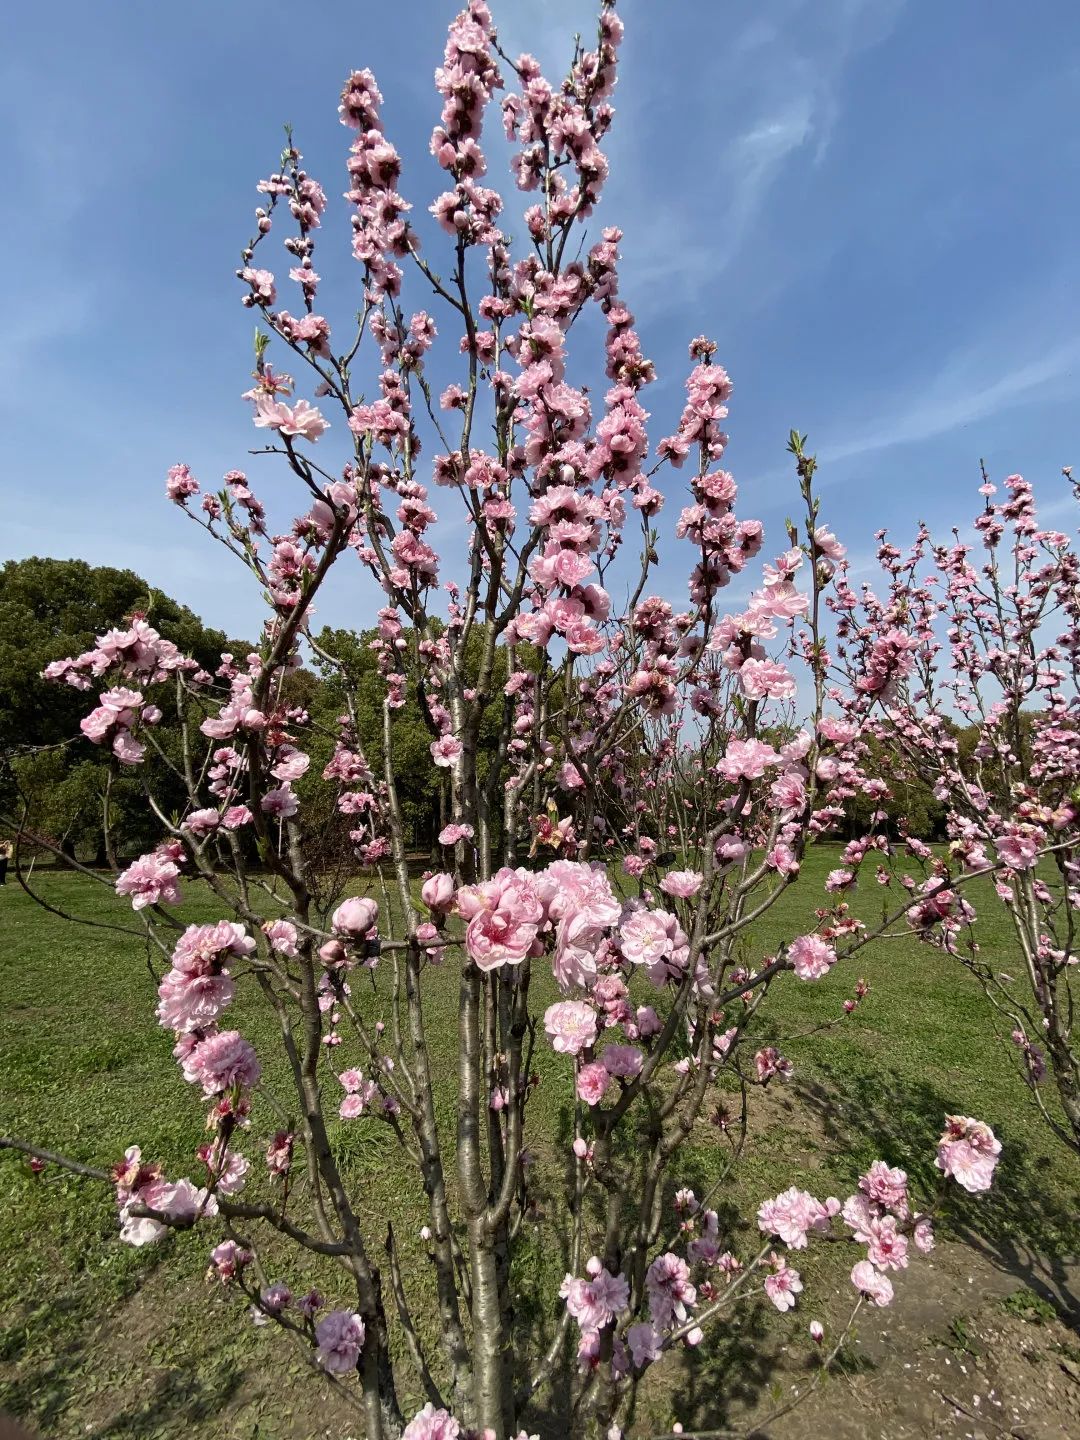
column 97, row 1338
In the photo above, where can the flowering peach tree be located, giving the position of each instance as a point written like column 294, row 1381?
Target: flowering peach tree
column 658, row 775
column 965, row 670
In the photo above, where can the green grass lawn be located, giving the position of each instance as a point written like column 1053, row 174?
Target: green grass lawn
column 98, row 1338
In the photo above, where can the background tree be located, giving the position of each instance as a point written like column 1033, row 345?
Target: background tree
column 50, row 607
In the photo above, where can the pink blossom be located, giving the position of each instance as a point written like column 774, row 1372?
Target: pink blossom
column 644, row 936
column 968, row 1151
column 811, row 957
column 179, row 1201
column 445, row 751
column 180, row 483
column 592, row 1082
column 437, row 892
column 769, row 1062
column 357, row 1100
column 872, row 1283
column 782, row 1284
column 339, row 1337
column 292, row 765
column 788, row 791
column 279, row 1153
column 203, row 949
column 791, row 1216
column 647, row 1021
column 1018, row 850
column 746, row 760
column 150, row 880
column 223, row 1062
column 644, row 1343
column 887, row 1186
column 858, row 1213
column 432, row 1424
column 682, row 883
column 228, row 1258
column 282, row 936
column 281, row 803
column 766, row 680
column 667, row 1283
column 192, row 1002
column 230, row 1177
column 783, row 859
column 201, row 822
column 300, row 419
column 504, row 915
column 571, row 1025
column 595, row 1302
column 622, row 1061
column 887, row 1247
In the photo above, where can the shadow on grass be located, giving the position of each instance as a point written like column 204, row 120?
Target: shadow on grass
column 184, row 1395
column 706, row 1385
column 66, row 1379
column 1018, row 1226
column 53, row 1353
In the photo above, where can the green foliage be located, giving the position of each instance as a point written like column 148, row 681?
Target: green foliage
column 420, row 785
column 911, row 807
column 1026, row 1305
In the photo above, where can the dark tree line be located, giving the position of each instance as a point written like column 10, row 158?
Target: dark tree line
column 50, row 773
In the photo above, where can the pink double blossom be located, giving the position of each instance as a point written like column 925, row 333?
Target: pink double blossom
column 595, row 1302
column 571, row 1025
column 437, row 892
column 151, row 880
column 683, row 884
column 355, row 917
column 432, row 1424
column 592, row 1082
column 503, row 915
column 747, row 760
column 221, row 1063
column 782, row 1284
column 339, row 1338
column 869, row 1281
column 811, row 957
column 792, row 1215
column 887, row 1186
column 667, row 1284
column 968, row 1151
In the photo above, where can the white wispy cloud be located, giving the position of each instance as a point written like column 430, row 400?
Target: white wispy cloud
column 967, row 389
column 775, row 99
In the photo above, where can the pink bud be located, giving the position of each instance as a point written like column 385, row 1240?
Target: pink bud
column 332, row 953
column 437, row 891
column 817, row 1331
column 355, row 916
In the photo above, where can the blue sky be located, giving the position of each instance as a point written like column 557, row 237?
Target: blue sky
column 870, row 204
